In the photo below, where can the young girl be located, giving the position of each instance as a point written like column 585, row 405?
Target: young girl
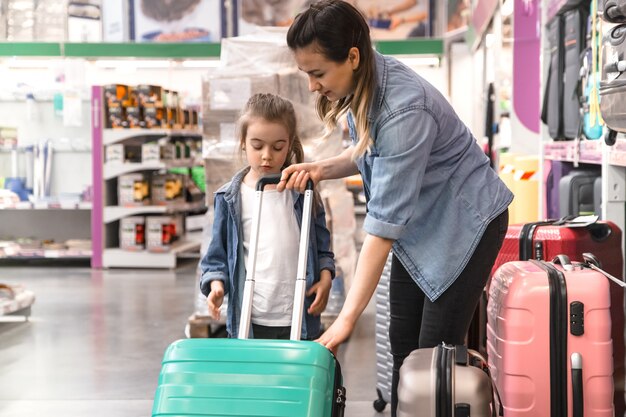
column 268, row 137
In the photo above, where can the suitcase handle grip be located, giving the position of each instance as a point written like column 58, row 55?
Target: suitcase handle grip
column 564, row 261
column 275, row 179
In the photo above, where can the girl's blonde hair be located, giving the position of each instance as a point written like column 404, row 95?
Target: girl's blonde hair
column 335, row 26
column 275, row 109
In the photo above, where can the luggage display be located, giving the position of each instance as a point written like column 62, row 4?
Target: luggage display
column 566, row 34
column 384, row 359
column 549, row 339
column 446, row 381
column 576, row 193
column 248, row 377
column 546, row 240
column 558, row 170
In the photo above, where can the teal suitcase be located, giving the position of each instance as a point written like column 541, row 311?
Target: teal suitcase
column 250, row 377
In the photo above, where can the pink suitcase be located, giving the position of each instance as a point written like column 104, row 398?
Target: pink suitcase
column 549, row 339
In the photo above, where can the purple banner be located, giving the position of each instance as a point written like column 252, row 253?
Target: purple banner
column 526, row 67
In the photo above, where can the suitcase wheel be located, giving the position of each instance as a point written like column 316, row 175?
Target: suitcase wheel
column 379, row 404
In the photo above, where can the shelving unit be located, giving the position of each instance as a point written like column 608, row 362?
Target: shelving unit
column 613, row 162
column 106, row 214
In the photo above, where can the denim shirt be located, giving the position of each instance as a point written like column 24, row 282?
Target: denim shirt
column 428, row 184
column 224, row 259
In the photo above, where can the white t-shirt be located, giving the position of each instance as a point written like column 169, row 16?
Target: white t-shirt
column 277, row 256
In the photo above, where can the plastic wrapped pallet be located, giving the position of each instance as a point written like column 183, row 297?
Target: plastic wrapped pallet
column 50, row 21
column 20, row 15
column 257, row 63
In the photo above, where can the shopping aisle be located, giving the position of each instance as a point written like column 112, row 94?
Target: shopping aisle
column 95, row 340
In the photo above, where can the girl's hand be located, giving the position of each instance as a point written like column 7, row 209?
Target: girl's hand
column 215, row 298
column 321, row 289
column 295, row 177
column 336, row 334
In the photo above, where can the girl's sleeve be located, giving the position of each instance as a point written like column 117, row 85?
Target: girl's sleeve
column 214, row 264
column 325, row 256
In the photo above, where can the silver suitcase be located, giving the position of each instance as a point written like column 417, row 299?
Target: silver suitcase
column 446, row 381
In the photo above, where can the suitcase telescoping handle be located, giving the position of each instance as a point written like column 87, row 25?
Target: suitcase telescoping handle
column 577, row 385
column 248, row 291
column 592, row 262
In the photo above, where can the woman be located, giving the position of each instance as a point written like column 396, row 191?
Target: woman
column 431, row 194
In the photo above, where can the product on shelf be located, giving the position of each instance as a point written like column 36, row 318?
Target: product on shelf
column 134, row 117
column 149, row 94
column 133, row 190
column 132, row 233
column 162, row 231
column 168, row 188
column 115, row 117
column 155, row 151
column 153, row 116
column 123, row 153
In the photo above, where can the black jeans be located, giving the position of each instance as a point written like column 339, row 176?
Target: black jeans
column 416, row 322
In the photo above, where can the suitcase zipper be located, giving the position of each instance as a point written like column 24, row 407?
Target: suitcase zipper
column 526, row 249
column 444, row 381
column 558, row 339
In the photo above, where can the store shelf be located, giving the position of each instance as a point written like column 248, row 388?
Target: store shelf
column 47, row 206
column 49, row 254
column 119, row 258
column 114, row 169
column 429, row 46
column 114, row 213
column 617, row 153
column 584, row 152
column 111, row 136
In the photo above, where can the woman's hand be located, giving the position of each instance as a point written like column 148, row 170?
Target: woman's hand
column 295, row 177
column 321, row 289
column 336, row 334
column 215, row 298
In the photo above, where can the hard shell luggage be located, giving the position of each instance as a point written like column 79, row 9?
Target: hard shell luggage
column 597, row 197
column 384, row 359
column 544, row 241
column 549, row 339
column 446, row 381
column 576, row 193
column 558, row 170
column 245, row 377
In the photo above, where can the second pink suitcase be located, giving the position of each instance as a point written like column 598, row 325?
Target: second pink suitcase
column 549, row 339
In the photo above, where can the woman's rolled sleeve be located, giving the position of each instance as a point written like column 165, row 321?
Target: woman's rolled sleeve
column 398, row 163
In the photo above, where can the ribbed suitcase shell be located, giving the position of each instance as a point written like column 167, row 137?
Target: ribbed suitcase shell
column 421, row 382
column 603, row 239
column 234, row 377
column 384, row 359
column 518, row 340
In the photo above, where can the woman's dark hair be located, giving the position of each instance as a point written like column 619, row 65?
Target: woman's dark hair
column 335, row 26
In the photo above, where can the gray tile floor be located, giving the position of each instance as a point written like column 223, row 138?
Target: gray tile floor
column 94, row 343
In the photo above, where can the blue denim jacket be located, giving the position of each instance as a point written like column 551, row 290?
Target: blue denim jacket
column 224, row 259
column 428, row 183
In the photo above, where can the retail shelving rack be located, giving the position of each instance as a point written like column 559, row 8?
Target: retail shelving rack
column 612, row 159
column 105, row 215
